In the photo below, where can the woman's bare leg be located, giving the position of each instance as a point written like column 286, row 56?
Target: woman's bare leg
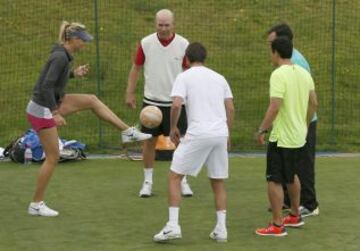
column 78, row 102
column 50, row 143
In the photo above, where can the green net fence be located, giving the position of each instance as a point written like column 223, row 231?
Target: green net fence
column 326, row 32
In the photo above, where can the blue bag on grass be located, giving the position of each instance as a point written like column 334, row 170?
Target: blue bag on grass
column 69, row 150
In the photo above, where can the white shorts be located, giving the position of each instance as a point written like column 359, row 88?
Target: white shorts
column 192, row 154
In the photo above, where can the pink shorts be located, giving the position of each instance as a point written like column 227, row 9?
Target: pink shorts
column 40, row 123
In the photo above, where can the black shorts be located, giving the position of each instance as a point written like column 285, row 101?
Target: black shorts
column 282, row 163
column 164, row 127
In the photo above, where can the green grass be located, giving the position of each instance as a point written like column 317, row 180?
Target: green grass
column 233, row 32
column 100, row 210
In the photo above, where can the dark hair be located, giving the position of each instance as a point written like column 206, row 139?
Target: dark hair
column 281, row 30
column 283, row 46
column 196, row 52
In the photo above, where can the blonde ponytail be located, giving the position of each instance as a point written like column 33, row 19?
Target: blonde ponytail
column 66, row 28
column 62, row 34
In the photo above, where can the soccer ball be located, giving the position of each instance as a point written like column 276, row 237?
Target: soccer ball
column 151, row 116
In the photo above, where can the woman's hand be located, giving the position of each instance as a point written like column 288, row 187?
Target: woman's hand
column 59, row 120
column 81, row 71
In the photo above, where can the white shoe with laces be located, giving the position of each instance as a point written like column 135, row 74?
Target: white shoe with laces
column 40, row 209
column 169, row 232
column 304, row 212
column 146, row 190
column 219, row 234
column 132, row 135
column 186, row 190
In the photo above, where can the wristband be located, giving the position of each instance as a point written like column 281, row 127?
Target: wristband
column 262, row 131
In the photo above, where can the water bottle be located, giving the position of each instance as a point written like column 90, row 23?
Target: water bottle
column 27, row 155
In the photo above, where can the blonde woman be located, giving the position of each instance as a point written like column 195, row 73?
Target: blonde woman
column 49, row 105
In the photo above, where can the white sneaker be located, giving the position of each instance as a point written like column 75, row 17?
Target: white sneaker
column 40, row 209
column 304, row 212
column 219, row 235
column 146, row 190
column 186, row 190
column 132, row 134
column 169, row 232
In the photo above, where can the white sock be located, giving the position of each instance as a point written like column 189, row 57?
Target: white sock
column 221, row 219
column 36, row 204
column 174, row 215
column 148, row 175
column 184, row 180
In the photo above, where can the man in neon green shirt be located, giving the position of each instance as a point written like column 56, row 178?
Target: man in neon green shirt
column 309, row 205
column 292, row 106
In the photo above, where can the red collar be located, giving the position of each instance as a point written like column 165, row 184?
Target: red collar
column 166, row 42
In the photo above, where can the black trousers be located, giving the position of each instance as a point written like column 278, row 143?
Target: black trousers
column 306, row 172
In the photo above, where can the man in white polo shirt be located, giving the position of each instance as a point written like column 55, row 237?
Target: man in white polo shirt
column 210, row 110
column 162, row 56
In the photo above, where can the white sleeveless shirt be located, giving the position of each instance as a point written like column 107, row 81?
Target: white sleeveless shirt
column 162, row 65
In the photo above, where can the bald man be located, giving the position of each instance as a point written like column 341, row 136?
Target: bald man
column 162, row 55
